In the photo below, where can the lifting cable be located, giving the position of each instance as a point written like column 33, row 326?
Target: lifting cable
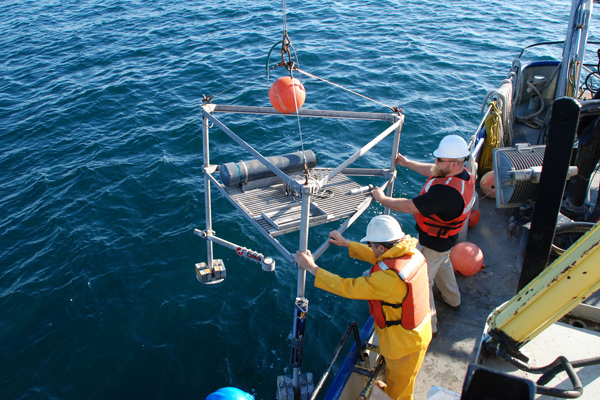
column 394, row 109
column 292, row 66
column 208, row 99
column 286, row 43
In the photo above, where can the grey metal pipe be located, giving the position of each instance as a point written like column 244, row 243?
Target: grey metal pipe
column 301, row 287
column 292, row 183
column 267, row 263
column 288, row 256
column 361, row 152
column 301, row 112
column 390, row 189
column 207, row 199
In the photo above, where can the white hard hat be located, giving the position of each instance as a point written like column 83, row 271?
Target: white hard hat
column 452, row 146
column 383, row 228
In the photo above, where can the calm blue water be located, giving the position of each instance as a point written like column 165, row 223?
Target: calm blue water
column 100, row 185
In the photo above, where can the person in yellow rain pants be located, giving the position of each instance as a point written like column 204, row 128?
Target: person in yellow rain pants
column 397, row 290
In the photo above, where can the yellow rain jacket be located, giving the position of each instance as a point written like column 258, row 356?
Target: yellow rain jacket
column 394, row 342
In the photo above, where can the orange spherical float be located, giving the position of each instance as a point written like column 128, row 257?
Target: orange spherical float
column 487, row 185
column 474, row 218
column 466, row 258
column 287, row 94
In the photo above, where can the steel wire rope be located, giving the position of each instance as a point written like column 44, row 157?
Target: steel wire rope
column 320, row 192
column 283, row 63
column 295, row 66
column 208, row 99
column 285, row 49
column 393, row 108
column 291, row 67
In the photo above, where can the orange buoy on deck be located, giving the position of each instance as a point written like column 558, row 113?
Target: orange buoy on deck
column 287, row 94
column 474, row 218
column 466, row 258
column 488, row 185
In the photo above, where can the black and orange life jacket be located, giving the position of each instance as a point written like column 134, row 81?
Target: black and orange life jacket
column 434, row 225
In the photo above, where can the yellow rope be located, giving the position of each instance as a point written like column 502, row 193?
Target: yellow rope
column 493, row 128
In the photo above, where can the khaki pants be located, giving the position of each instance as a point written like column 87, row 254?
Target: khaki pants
column 440, row 270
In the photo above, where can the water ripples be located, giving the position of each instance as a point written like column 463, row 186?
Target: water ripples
column 101, row 167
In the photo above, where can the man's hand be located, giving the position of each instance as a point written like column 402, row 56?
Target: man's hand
column 336, row 238
column 306, row 262
column 378, row 194
column 401, row 160
column 419, row 167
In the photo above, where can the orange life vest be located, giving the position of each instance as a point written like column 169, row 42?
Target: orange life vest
column 434, row 225
column 412, row 269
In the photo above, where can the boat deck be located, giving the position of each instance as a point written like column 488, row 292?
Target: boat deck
column 459, row 332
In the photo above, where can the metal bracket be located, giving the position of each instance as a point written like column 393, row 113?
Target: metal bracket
column 285, row 387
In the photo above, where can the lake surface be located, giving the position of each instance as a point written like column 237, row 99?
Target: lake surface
column 101, row 186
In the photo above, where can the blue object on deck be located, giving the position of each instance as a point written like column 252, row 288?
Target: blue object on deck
column 230, row 393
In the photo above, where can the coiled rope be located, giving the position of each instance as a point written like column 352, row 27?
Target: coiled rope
column 493, row 129
column 503, row 97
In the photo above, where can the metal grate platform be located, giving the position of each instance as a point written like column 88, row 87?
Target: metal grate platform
column 278, row 213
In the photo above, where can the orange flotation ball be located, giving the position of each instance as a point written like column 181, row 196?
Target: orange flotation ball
column 488, row 185
column 286, row 93
column 466, row 258
column 474, row 218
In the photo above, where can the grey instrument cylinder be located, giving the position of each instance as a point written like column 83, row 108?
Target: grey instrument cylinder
column 234, row 174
